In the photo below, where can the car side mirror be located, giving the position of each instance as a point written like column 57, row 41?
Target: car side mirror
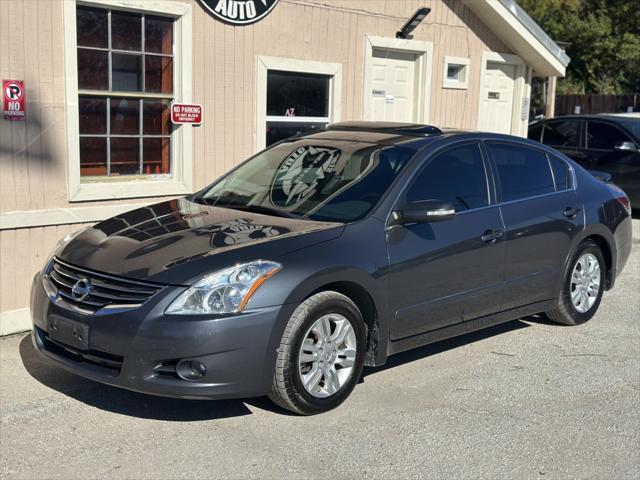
column 626, row 147
column 422, row 212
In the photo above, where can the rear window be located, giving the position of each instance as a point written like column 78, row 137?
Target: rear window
column 523, row 172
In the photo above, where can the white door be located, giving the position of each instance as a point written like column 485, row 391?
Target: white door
column 496, row 103
column 393, row 86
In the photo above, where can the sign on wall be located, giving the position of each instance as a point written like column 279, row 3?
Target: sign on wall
column 13, row 94
column 239, row 12
column 186, row 113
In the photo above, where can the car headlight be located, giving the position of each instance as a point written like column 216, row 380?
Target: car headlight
column 225, row 291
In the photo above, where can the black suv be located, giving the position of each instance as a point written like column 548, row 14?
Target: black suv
column 605, row 143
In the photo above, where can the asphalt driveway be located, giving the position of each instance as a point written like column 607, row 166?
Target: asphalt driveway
column 526, row 399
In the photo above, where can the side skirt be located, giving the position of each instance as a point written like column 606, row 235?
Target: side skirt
column 467, row 327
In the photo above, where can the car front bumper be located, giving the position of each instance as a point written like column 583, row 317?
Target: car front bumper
column 138, row 348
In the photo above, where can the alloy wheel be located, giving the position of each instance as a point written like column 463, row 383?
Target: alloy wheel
column 585, row 282
column 327, row 355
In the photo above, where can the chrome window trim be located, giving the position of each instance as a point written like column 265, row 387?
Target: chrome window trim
column 487, row 158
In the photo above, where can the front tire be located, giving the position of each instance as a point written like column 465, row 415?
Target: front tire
column 582, row 287
column 321, row 355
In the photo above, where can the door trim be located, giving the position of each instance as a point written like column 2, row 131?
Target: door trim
column 424, row 67
column 521, row 89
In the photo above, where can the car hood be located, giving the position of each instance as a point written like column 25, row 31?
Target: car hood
column 178, row 241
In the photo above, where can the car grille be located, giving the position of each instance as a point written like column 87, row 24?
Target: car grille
column 106, row 290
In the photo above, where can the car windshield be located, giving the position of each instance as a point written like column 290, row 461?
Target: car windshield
column 633, row 125
column 320, row 180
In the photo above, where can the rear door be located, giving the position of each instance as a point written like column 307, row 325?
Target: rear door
column 541, row 214
column 446, row 272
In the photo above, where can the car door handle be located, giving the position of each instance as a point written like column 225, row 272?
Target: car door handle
column 571, row 212
column 491, row 235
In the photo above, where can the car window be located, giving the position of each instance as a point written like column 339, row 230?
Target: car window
column 562, row 133
column 523, row 172
column 604, row 136
column 561, row 173
column 321, row 180
column 456, row 176
column 535, row 131
column 633, row 125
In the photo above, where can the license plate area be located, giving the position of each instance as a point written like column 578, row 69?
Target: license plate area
column 68, row 332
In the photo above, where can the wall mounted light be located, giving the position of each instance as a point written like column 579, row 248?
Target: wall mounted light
column 410, row 26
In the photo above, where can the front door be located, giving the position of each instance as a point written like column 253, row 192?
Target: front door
column 624, row 166
column 496, row 107
column 447, row 272
column 393, row 86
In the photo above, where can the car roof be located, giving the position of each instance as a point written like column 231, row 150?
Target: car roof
column 410, row 135
column 616, row 117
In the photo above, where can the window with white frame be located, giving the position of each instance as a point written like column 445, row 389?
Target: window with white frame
column 294, row 97
column 297, row 103
column 125, row 88
column 456, row 72
column 125, row 63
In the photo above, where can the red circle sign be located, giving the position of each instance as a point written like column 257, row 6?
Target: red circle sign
column 13, row 91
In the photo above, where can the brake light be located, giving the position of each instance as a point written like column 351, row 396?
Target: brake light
column 621, row 197
column 625, row 202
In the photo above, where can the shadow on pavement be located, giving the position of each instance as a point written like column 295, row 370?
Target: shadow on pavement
column 125, row 402
column 449, row 344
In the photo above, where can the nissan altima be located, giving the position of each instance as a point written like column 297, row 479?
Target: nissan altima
column 326, row 253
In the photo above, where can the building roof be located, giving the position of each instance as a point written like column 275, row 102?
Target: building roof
column 520, row 32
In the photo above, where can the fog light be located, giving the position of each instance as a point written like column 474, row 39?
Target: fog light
column 190, row 370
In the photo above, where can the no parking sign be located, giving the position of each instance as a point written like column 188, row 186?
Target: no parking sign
column 13, row 94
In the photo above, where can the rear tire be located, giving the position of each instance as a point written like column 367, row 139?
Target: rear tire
column 582, row 287
column 321, row 355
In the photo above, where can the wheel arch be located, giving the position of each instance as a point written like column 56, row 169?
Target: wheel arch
column 605, row 248
column 605, row 241
column 367, row 306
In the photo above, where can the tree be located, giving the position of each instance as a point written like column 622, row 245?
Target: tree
column 604, row 42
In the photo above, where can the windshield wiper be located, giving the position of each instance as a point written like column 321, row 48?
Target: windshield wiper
column 200, row 200
column 256, row 209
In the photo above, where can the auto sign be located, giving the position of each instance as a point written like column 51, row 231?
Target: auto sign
column 239, row 12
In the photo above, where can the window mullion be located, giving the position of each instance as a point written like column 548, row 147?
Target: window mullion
column 109, row 61
column 108, row 136
column 140, row 138
column 144, row 81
